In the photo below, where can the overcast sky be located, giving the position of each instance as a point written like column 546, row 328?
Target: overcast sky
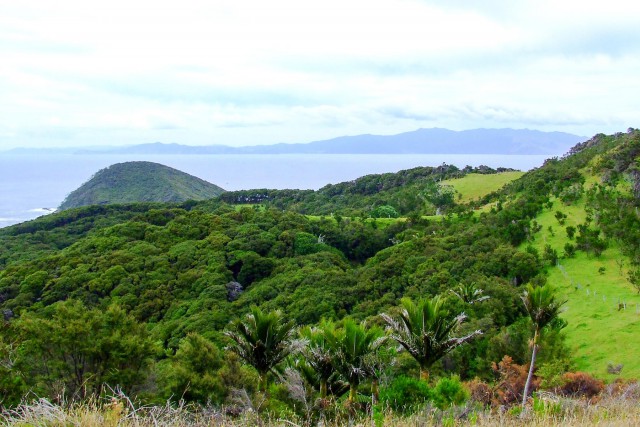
column 245, row 72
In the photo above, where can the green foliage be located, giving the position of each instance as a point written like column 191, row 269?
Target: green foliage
column 426, row 330
column 409, row 191
column 12, row 382
column 140, row 182
column 589, row 240
column 321, row 354
column 634, row 279
column 385, row 211
column 542, row 305
column 543, row 308
column 561, row 217
column 569, row 250
column 405, row 394
column 70, row 349
column 355, row 346
column 449, row 392
column 263, row 340
column 168, row 265
column 192, row 373
column 550, row 255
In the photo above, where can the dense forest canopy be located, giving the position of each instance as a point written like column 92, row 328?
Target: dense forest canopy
column 140, row 182
column 164, row 281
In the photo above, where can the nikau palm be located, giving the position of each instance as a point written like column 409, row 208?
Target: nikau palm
column 543, row 309
column 319, row 352
column 263, row 340
column 355, row 348
column 426, row 331
column 469, row 293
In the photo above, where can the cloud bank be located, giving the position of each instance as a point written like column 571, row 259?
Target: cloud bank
column 248, row 72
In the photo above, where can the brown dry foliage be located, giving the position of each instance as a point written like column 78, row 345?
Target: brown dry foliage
column 580, row 384
column 511, row 380
column 481, row 392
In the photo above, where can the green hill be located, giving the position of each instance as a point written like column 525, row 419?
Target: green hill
column 196, row 266
column 140, row 182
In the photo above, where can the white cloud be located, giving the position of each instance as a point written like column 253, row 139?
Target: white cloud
column 249, row 72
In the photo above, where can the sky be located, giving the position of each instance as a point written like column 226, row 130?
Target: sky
column 246, row 72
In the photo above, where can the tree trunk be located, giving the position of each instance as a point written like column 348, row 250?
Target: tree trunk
column 323, row 388
column 424, row 374
column 353, row 392
column 531, row 368
column 375, row 391
column 263, row 382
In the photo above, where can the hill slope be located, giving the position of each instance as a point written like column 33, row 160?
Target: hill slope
column 140, row 182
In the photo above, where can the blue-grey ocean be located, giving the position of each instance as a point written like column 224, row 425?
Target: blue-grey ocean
column 31, row 185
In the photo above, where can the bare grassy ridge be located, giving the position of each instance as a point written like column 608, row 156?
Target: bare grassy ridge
column 621, row 409
column 475, row 186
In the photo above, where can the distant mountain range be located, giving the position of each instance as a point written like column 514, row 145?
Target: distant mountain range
column 421, row 141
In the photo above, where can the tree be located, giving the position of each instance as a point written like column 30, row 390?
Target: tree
column 426, row 331
column 355, row 348
column 634, row 279
column 319, row 352
column 385, row 211
column 78, row 351
column 263, row 340
column 193, row 372
column 469, row 293
column 543, row 308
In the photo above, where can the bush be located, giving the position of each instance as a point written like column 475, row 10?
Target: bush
column 580, row 384
column 405, row 394
column 511, row 380
column 569, row 250
column 449, row 392
column 480, row 392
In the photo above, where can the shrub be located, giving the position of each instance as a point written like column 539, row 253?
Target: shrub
column 405, row 394
column 580, row 384
column 569, row 250
column 512, row 378
column 480, row 391
column 449, row 392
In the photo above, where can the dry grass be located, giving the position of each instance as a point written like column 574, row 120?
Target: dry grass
column 621, row 409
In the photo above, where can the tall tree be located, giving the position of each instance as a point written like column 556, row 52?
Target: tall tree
column 355, row 347
column 319, row 352
column 80, row 351
column 543, row 308
column 263, row 340
column 426, row 331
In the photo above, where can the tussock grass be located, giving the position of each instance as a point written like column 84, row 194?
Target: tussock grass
column 621, row 409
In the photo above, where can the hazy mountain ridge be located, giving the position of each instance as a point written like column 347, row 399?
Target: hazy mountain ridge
column 421, row 141
column 140, row 182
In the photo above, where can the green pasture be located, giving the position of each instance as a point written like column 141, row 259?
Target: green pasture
column 602, row 309
column 474, row 186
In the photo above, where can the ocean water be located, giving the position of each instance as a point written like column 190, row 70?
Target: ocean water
column 31, row 186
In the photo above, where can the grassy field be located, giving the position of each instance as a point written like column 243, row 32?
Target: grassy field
column 598, row 332
column 474, row 186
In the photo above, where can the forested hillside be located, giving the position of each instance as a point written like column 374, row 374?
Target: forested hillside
column 416, row 191
column 157, row 294
column 140, row 182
